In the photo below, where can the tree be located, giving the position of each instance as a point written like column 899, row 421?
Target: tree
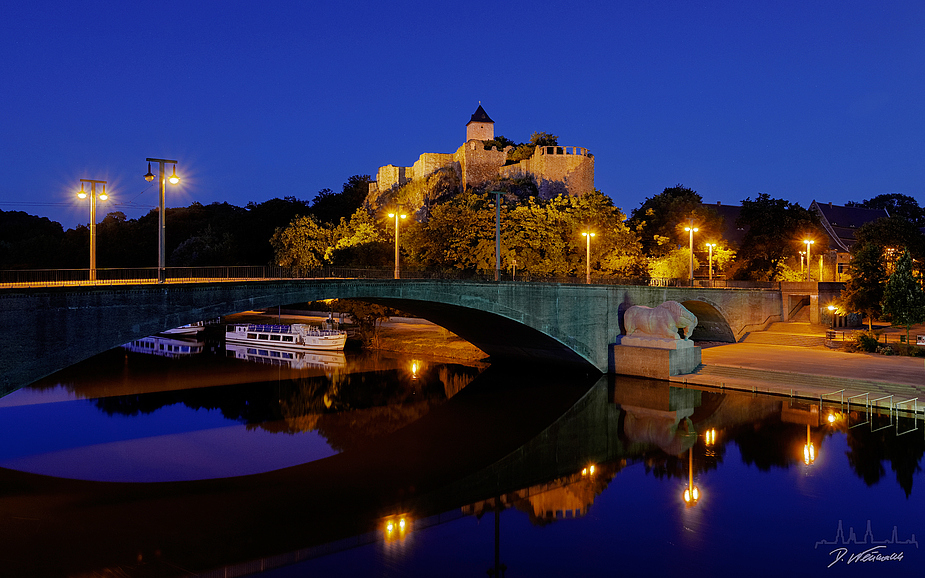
column 660, row 220
column 302, row 244
column 674, row 265
column 864, row 290
column 544, row 139
column 774, row 227
column 897, row 205
column 891, row 234
column 329, row 207
column 903, row 297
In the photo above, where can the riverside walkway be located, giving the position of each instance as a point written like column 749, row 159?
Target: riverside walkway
column 810, row 372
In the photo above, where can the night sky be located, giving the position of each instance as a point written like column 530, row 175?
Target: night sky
column 801, row 100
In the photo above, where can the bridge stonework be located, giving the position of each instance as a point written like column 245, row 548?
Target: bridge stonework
column 51, row 328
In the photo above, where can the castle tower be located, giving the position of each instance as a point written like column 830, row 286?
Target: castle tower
column 480, row 126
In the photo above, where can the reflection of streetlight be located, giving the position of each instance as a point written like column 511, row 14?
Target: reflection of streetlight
column 692, row 493
column 809, row 244
column 396, row 216
column 397, row 527
column 692, row 229
column 93, row 196
column 587, row 235
column 162, row 214
column 710, row 437
column 710, row 246
column 809, row 451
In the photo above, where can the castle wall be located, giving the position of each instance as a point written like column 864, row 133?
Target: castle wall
column 556, row 170
column 429, row 163
column 390, row 175
column 478, row 165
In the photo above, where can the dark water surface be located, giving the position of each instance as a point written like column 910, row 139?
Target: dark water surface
column 230, row 463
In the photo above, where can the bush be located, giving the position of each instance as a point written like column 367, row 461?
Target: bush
column 886, row 350
column 866, row 341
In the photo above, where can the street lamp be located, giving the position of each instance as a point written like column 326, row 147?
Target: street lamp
column 497, row 195
column 396, row 216
column 692, row 229
column 809, row 244
column 81, row 194
column 162, row 211
column 587, row 235
column 710, row 246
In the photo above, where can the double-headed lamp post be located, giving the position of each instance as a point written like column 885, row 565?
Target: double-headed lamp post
column 162, row 179
column 396, row 215
column 711, row 246
column 692, row 229
column 809, row 244
column 81, row 194
column 587, row 235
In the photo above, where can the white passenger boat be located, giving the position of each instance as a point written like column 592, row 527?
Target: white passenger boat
column 296, row 336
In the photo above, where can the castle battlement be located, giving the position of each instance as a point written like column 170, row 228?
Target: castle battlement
column 555, row 169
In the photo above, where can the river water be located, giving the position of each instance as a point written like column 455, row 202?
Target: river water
column 198, row 460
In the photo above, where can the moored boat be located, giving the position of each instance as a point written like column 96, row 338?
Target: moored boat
column 295, row 336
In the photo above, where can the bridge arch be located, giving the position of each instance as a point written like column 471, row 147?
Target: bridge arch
column 711, row 322
column 51, row 328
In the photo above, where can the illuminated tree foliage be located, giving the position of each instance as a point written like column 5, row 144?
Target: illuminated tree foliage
column 301, row 245
column 864, row 290
column 661, row 219
column 775, row 227
column 903, row 297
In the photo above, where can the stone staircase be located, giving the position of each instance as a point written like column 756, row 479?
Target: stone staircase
column 798, row 332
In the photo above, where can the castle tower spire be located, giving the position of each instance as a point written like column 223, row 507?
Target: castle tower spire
column 480, row 126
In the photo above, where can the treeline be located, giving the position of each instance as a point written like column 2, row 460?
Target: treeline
column 197, row 235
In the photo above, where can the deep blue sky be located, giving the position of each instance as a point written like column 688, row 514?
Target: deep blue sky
column 802, row 100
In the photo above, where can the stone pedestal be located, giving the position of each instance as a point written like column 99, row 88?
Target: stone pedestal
column 653, row 357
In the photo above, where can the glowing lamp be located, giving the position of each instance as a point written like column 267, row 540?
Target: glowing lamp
column 174, row 179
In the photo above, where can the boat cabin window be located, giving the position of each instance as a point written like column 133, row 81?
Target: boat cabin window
column 263, row 336
column 274, row 338
column 287, row 338
column 252, row 336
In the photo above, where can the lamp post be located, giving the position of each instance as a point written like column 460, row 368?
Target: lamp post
column 397, row 215
column 162, row 211
column 93, row 196
column 809, row 244
column 692, row 229
column 587, row 235
column 710, row 246
column 802, row 256
column 497, row 195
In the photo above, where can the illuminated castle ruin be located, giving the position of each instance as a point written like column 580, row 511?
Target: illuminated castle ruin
column 554, row 169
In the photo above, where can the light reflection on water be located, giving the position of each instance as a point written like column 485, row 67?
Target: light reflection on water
column 457, row 463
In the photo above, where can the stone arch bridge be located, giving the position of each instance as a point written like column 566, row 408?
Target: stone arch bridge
column 48, row 329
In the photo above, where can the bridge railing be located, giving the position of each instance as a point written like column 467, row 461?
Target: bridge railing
column 126, row 276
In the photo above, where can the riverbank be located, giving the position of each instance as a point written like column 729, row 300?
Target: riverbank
column 811, row 372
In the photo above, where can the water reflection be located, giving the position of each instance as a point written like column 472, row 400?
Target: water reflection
column 601, row 464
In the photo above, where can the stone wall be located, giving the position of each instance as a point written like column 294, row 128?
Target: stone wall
column 480, row 131
column 556, row 170
column 389, row 176
column 478, row 165
column 429, row 163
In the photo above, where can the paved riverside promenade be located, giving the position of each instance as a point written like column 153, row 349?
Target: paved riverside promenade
column 809, row 372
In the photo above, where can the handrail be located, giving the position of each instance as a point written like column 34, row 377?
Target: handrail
column 29, row 278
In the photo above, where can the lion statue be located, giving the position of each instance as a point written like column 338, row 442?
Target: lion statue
column 661, row 322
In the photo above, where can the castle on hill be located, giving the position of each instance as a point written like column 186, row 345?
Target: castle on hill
column 554, row 169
